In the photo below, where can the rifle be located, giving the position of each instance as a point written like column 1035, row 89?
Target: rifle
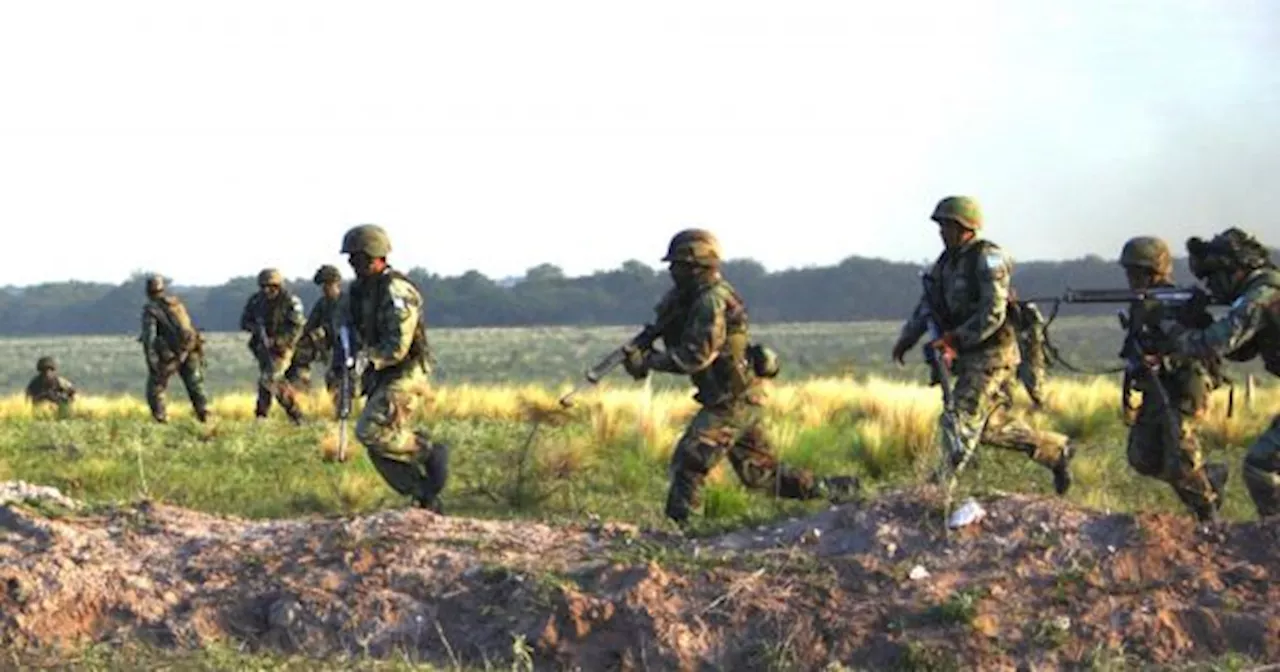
column 642, row 340
column 941, row 375
column 1190, row 304
column 344, row 360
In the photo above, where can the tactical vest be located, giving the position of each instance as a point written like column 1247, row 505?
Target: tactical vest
column 173, row 325
column 272, row 313
column 1006, row 335
column 373, row 289
column 730, row 375
column 1267, row 341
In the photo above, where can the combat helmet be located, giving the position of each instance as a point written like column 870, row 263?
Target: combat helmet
column 155, row 284
column 368, row 238
column 46, row 363
column 270, row 277
column 327, row 274
column 695, row 246
column 1232, row 249
column 962, row 210
column 1148, row 252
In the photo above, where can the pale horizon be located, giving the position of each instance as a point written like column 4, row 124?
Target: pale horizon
column 497, row 137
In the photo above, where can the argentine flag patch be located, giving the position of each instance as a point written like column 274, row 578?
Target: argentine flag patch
column 995, row 261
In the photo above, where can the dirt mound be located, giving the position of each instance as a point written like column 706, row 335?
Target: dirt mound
column 877, row 585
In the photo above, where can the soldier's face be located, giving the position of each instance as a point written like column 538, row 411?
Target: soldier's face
column 953, row 235
column 681, row 272
column 361, row 263
column 271, row 291
column 1138, row 277
column 332, row 290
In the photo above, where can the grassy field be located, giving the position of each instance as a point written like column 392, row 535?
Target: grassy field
column 839, row 408
column 546, row 355
column 606, row 457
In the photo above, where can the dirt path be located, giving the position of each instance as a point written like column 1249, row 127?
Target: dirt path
column 1034, row 584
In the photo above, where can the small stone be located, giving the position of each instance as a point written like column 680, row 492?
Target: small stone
column 918, row 572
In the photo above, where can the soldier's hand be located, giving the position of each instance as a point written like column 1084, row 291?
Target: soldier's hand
column 900, row 352
column 946, row 348
column 634, row 362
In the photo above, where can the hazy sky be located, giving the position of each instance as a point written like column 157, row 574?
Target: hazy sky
column 500, row 135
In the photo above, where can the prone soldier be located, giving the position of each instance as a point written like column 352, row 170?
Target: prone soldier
column 49, row 387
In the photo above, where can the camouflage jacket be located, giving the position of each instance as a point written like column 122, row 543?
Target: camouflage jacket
column 53, row 388
column 971, row 292
column 319, row 328
column 386, row 312
column 1250, row 328
column 706, row 337
column 1187, row 381
column 282, row 318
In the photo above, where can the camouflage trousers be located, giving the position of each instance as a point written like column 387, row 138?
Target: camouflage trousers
column 736, row 429
column 191, row 371
column 304, row 356
column 1262, row 471
column 1164, row 445
column 1032, row 376
column 402, row 456
column 982, row 400
column 272, row 383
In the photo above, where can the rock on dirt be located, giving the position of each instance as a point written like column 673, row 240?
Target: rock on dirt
column 1035, row 583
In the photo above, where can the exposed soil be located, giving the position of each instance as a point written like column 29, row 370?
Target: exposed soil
column 1035, row 584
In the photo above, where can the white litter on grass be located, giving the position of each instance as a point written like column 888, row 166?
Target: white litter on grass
column 969, row 513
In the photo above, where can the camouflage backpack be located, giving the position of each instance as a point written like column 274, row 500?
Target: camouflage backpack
column 175, row 325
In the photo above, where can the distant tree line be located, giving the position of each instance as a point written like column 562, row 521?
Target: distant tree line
column 855, row 289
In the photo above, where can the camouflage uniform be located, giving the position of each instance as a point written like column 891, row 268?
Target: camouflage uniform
column 317, row 341
column 281, row 318
column 384, row 308
column 171, row 344
column 1163, row 441
column 48, row 386
column 1031, row 348
column 706, row 338
column 1237, row 268
column 973, row 281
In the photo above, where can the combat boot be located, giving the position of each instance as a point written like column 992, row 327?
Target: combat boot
column 433, row 458
column 1217, row 474
column 839, row 489
column 1062, row 470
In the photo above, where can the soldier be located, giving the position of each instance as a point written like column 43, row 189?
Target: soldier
column 1238, row 269
column 1030, row 326
column 316, row 343
column 978, row 344
column 384, row 311
column 48, row 386
column 274, row 317
column 171, row 344
column 706, row 338
column 1162, row 437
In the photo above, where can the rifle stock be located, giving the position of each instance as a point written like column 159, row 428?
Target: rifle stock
column 345, row 361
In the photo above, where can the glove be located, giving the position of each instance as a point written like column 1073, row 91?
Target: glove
column 634, row 362
column 946, row 348
column 900, row 351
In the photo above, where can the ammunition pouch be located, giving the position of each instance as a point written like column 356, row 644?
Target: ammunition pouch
column 764, row 361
